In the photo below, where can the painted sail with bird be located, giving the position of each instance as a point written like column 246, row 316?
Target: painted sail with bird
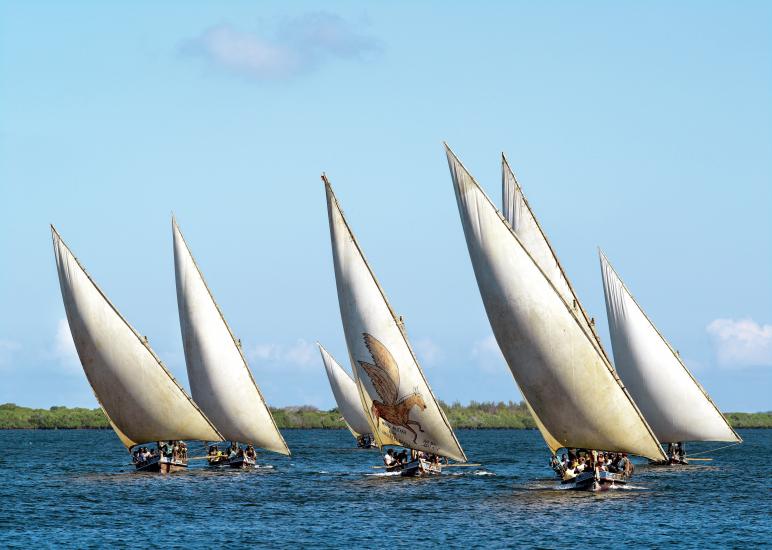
column 346, row 395
column 141, row 399
column 555, row 357
column 220, row 380
column 396, row 397
column 673, row 402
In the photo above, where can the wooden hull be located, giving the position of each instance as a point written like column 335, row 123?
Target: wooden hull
column 671, row 462
column 218, row 461
column 241, row 462
column 163, row 465
column 417, row 468
column 366, row 442
column 588, row 481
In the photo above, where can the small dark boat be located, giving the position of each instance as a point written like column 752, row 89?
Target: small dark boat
column 217, row 460
column 419, row 467
column 366, row 442
column 242, row 462
column 676, row 456
column 595, row 481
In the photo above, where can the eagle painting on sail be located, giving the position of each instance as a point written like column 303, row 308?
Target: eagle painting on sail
column 395, row 396
column 578, row 401
column 140, row 398
column 346, row 394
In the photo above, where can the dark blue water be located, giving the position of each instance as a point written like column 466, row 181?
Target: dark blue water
column 77, row 488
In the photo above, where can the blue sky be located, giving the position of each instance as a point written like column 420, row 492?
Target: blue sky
column 643, row 129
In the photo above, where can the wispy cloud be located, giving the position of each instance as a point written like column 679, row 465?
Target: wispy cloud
column 299, row 354
column 428, row 352
column 742, row 343
column 293, row 47
column 487, row 355
column 7, row 350
column 64, row 348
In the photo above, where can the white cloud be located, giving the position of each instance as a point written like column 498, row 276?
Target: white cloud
column 742, row 343
column 296, row 45
column 488, row 356
column 299, row 354
column 64, row 348
column 428, row 352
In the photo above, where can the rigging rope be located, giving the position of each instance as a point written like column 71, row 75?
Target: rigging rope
column 712, row 450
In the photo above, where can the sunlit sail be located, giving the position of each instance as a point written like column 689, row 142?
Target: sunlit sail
column 220, row 380
column 673, row 402
column 396, row 397
column 347, row 397
column 551, row 350
column 142, row 400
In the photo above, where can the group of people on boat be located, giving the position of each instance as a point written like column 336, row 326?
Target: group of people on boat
column 175, row 450
column 577, row 461
column 676, row 453
column 234, row 451
column 365, row 441
column 394, row 461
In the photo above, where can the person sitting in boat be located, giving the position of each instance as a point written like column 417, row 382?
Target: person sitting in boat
column 250, row 452
column 402, row 457
column 570, row 470
column 233, row 450
column 389, row 459
column 564, row 462
column 624, row 466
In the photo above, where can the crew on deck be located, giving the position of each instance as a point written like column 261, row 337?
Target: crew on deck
column 582, row 460
column 250, row 453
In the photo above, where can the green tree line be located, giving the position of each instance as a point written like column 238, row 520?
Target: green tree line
column 475, row 415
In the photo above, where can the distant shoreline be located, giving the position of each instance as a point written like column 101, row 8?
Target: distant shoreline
column 475, row 416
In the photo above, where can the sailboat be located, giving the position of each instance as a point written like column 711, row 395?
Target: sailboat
column 220, row 380
column 557, row 360
column 397, row 400
column 676, row 406
column 347, row 397
column 140, row 398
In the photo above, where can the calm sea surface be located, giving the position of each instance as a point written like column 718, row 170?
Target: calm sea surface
column 77, row 488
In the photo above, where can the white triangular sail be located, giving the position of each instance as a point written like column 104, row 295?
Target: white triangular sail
column 220, row 380
column 390, row 380
column 562, row 373
column 141, row 399
column 518, row 213
column 346, row 395
column 673, row 402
